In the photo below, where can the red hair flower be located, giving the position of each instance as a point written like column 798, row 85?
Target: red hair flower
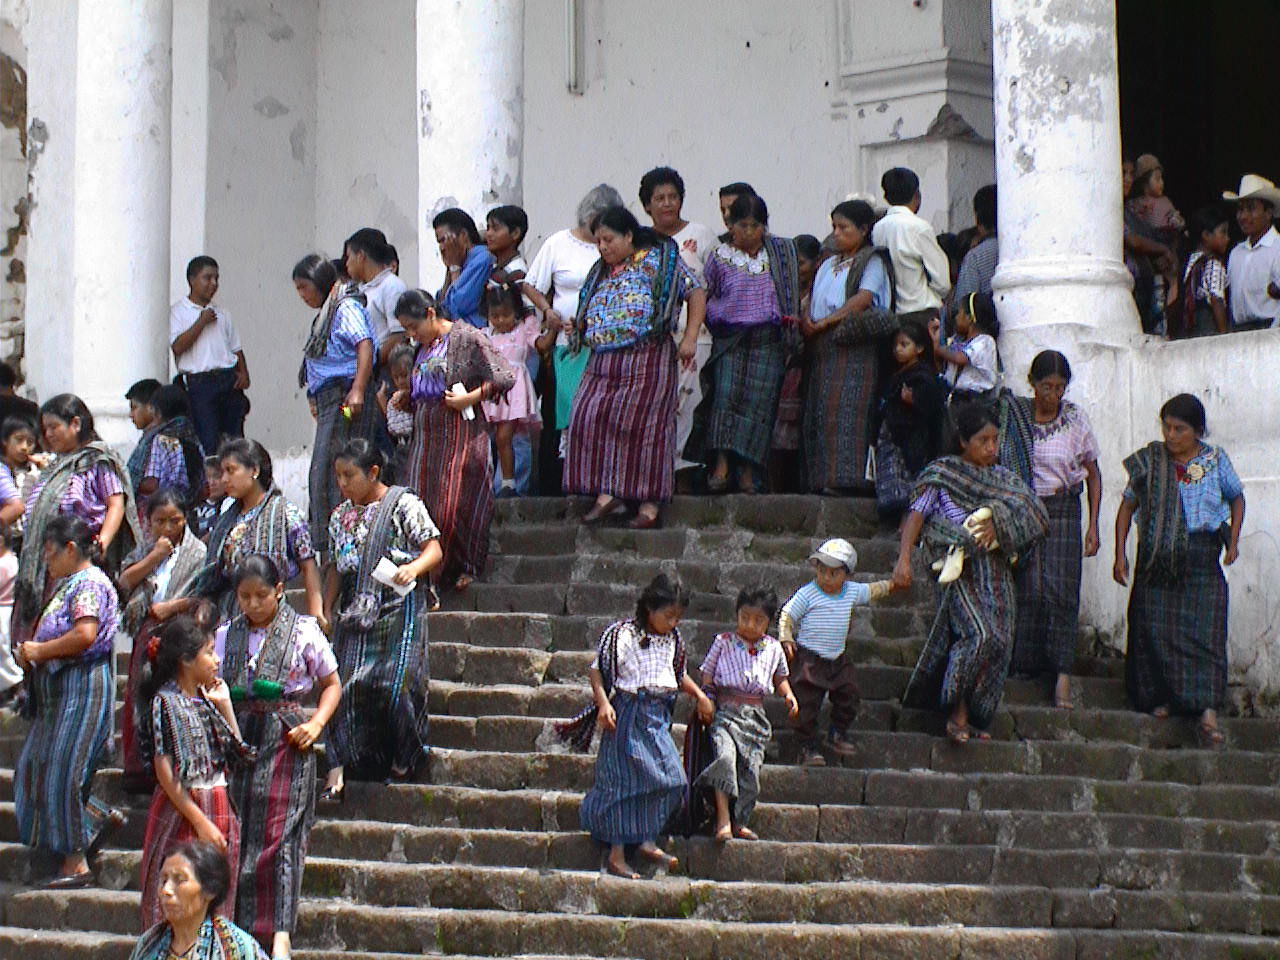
column 153, row 647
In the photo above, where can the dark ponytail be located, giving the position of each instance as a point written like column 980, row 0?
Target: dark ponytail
column 664, row 590
column 177, row 642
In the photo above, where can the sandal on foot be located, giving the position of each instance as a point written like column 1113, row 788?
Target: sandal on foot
column 957, row 733
column 745, row 833
column 625, row 873
column 662, row 858
column 723, row 835
column 1210, row 735
column 1160, row 713
column 979, row 735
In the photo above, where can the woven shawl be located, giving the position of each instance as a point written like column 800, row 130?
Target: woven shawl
column 577, row 731
column 188, row 560
column 1017, row 437
column 180, row 429
column 218, row 939
column 1163, row 541
column 200, row 738
column 29, row 591
column 664, row 286
column 268, row 535
column 872, row 323
column 274, row 658
column 1017, row 513
column 367, row 603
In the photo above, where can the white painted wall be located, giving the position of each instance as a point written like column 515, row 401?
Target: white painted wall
column 13, row 184
column 367, row 164
column 261, row 194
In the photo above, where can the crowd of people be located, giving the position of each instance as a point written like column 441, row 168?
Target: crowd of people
column 625, row 362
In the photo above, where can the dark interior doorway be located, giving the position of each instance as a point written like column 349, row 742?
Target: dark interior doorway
column 1200, row 88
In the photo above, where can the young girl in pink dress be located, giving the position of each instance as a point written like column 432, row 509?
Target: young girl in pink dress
column 515, row 335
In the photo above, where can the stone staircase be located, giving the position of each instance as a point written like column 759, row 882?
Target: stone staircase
column 1072, row 835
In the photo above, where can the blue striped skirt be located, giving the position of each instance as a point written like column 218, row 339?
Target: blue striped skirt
column 639, row 778
column 67, row 741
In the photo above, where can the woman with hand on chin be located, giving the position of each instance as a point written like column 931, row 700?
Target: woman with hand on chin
column 449, row 462
column 1190, row 507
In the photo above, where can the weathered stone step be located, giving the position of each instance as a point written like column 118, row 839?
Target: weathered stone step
column 335, row 925
column 789, row 515
column 916, row 788
column 810, row 896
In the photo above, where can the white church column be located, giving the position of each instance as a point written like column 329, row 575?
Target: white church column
column 99, row 108
column 1062, row 276
column 470, row 113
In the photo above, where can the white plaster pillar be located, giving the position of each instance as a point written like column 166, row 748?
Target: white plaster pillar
column 1062, row 276
column 470, row 114
column 100, row 84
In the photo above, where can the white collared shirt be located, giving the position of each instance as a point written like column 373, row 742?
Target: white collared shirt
column 923, row 273
column 214, row 349
column 1250, row 268
column 382, row 293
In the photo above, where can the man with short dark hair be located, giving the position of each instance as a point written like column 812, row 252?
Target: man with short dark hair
column 921, row 269
column 207, row 350
column 979, row 264
column 368, row 258
column 10, row 403
column 1253, row 268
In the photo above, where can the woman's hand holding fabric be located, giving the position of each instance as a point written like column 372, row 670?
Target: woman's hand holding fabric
column 304, row 735
column 207, row 832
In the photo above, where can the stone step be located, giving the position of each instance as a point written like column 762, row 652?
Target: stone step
column 944, row 791
column 334, row 925
column 786, row 515
column 865, row 890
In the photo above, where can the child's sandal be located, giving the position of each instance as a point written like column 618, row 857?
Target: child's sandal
column 745, row 833
column 723, row 835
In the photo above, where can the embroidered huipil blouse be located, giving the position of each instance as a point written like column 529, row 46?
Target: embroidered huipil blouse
column 740, row 289
column 1061, row 449
column 733, row 666
column 86, row 593
column 312, row 655
column 620, row 312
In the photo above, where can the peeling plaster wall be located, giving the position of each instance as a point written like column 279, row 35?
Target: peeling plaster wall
column 261, row 193
column 13, row 179
column 367, row 171
column 721, row 98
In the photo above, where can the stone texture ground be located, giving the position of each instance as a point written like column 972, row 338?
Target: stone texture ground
column 1082, row 835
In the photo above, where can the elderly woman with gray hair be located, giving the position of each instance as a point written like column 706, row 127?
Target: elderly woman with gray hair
column 558, row 271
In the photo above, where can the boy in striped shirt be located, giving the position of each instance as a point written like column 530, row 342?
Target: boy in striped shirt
column 814, row 627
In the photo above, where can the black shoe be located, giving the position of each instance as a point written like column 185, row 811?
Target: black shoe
column 77, row 881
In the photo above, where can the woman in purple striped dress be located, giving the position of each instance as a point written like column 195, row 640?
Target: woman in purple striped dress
column 621, row 444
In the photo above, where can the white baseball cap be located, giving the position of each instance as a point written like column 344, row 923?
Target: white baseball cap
column 836, row 553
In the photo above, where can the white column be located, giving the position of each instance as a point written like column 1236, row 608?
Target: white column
column 100, row 84
column 470, row 114
column 1062, row 277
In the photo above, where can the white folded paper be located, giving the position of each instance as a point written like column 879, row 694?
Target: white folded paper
column 385, row 572
column 470, row 412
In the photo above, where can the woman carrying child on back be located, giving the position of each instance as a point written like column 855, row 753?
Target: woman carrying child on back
column 638, row 671
column 972, row 362
column 514, row 333
column 743, row 666
column 188, row 731
column 912, row 414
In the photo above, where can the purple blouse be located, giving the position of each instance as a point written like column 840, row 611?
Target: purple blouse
column 166, row 465
column 740, row 290
column 87, row 593
column 86, row 494
column 427, row 381
column 312, row 655
column 8, row 486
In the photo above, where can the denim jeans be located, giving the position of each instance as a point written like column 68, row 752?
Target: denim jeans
column 217, row 407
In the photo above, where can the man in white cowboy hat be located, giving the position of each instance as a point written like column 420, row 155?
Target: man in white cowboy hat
column 1253, row 269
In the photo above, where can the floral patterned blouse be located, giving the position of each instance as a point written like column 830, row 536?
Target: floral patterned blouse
column 86, row 593
column 297, row 535
column 427, row 380
column 411, row 527
column 620, row 312
column 312, row 655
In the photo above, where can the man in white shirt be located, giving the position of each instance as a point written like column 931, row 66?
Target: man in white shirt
column 921, row 269
column 662, row 196
column 1253, row 268
column 368, row 256
column 210, row 358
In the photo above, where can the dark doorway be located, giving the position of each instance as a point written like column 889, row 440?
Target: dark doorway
column 1200, row 88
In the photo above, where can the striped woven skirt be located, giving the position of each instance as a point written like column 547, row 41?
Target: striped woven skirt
column 1177, row 656
column 139, row 775
column 739, row 734
column 66, row 743
column 450, row 469
column 333, row 430
column 1048, row 580
column 381, row 724
column 746, row 370
column 839, row 393
column 966, row 656
column 276, row 800
column 639, row 778
column 894, row 480
column 622, row 430
column 167, row 829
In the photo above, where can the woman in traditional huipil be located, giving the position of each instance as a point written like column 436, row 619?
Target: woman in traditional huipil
column 72, row 698
column 449, row 463
column 621, row 445
column 261, row 521
column 965, row 659
column 850, row 314
column 379, row 637
column 271, row 658
column 1190, row 507
column 1064, row 459
column 158, row 579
